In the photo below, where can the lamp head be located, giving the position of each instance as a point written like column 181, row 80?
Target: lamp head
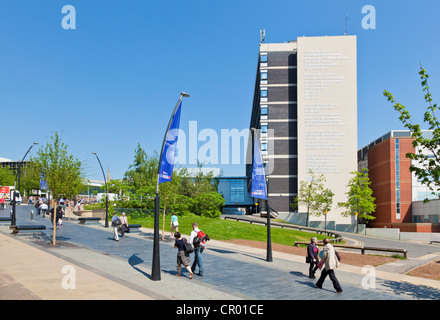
column 184, row 94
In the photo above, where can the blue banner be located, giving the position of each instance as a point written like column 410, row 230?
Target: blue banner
column 43, row 183
column 258, row 188
column 168, row 155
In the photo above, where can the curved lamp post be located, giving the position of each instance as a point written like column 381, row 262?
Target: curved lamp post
column 106, row 193
column 155, row 269
column 13, row 217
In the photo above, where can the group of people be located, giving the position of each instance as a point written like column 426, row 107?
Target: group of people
column 327, row 261
column 119, row 223
column 43, row 209
column 183, row 255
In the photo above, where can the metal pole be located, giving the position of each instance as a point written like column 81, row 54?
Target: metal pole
column 269, row 240
column 13, row 217
column 155, row 268
column 106, row 193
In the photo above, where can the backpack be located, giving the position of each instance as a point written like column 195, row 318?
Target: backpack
column 117, row 222
column 201, row 239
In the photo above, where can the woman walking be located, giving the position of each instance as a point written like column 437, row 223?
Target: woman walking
column 182, row 256
column 331, row 263
column 312, row 257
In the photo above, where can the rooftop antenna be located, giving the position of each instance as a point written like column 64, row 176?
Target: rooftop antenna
column 263, row 35
column 346, row 18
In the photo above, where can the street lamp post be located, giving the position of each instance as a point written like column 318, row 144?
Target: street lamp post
column 106, row 193
column 13, row 217
column 269, row 237
column 155, row 269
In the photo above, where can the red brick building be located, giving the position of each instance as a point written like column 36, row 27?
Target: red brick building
column 392, row 182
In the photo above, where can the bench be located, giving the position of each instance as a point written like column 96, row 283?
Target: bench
column 28, row 228
column 134, row 227
column 83, row 220
column 5, row 219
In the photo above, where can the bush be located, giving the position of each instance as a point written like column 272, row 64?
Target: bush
column 208, row 204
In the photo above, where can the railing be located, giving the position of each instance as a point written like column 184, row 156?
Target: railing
column 362, row 248
column 338, row 237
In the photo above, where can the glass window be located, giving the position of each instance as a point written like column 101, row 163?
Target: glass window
column 263, row 76
column 263, row 57
column 237, row 191
column 264, row 129
column 264, row 146
column 263, row 93
column 264, row 111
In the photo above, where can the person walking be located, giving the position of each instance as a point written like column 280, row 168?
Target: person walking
column 58, row 215
column 182, row 256
column 198, row 250
column 116, row 222
column 174, row 224
column 2, row 203
column 331, row 262
column 312, row 257
column 124, row 225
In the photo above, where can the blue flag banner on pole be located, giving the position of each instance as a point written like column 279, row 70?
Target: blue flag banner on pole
column 258, row 188
column 43, row 183
column 169, row 151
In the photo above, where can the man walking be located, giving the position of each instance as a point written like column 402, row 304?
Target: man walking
column 198, row 250
column 124, row 225
column 116, row 222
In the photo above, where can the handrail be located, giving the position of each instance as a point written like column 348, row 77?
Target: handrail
column 362, row 248
column 338, row 237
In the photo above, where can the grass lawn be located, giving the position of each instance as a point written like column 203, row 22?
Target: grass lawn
column 219, row 229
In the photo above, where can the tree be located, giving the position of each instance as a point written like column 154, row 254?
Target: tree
column 359, row 197
column 426, row 159
column 7, row 177
column 62, row 171
column 143, row 171
column 314, row 196
column 208, row 204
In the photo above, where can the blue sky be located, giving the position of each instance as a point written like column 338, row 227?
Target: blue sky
column 114, row 80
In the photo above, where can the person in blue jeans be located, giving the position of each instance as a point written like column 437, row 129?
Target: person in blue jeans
column 198, row 250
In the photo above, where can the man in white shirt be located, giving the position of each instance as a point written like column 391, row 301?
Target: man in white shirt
column 198, row 249
column 115, row 224
column 44, row 208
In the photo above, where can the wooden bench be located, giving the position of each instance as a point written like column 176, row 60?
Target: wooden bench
column 83, row 220
column 28, row 228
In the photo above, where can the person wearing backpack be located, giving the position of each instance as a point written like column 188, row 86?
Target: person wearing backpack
column 116, row 222
column 199, row 246
column 182, row 255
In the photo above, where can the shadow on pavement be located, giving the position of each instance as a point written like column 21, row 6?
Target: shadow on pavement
column 411, row 290
column 134, row 260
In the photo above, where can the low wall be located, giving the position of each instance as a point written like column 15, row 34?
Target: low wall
column 420, row 236
column 385, row 233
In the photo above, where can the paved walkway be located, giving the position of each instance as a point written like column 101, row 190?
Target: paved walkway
column 100, row 268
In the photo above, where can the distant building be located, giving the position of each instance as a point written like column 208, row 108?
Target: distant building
column 399, row 194
column 235, row 192
column 13, row 165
